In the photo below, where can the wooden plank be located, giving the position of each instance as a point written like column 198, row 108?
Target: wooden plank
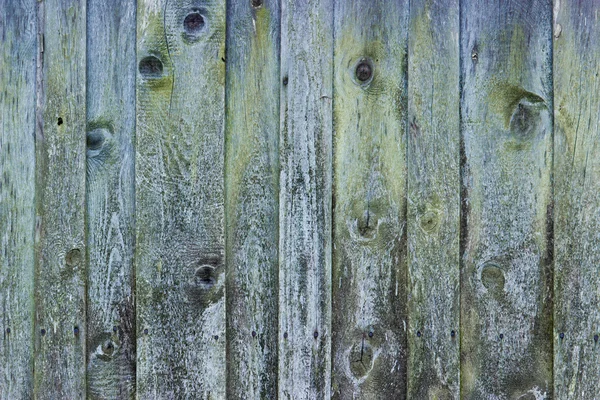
column 434, row 200
column 18, row 55
column 305, row 200
column 111, row 76
column 60, row 267
column 369, row 256
column 252, row 195
column 180, row 245
column 577, row 172
column 506, row 237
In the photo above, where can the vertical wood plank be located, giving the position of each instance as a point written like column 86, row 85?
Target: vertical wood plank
column 110, row 133
column 60, row 266
column 18, row 55
column 305, row 200
column 369, row 256
column 506, row 243
column 434, row 200
column 180, row 245
column 252, row 196
column 577, row 173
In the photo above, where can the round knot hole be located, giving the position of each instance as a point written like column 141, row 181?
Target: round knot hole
column 60, row 121
column 257, row 3
column 364, row 71
column 193, row 23
column 205, row 276
column 108, row 348
column 95, row 139
column 73, row 257
column 492, row 278
column 151, row 67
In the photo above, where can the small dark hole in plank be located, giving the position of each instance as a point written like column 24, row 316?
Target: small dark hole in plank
column 316, row 334
column 76, row 330
column 501, row 336
column 145, row 331
column 257, row 3
column 285, row 80
column 452, row 333
column 60, row 121
column 418, row 333
column 285, row 335
column 595, row 338
column 371, row 334
column 562, row 335
column 7, row 330
column 43, row 332
column 216, row 337
column 193, row 23
column 253, row 333
column 151, row 67
column 115, row 328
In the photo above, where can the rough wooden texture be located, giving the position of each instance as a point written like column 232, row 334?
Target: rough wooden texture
column 506, row 236
column 434, row 200
column 60, row 273
column 252, row 193
column 305, row 200
column 18, row 55
column 180, row 247
column 369, row 256
column 111, row 76
column 577, row 173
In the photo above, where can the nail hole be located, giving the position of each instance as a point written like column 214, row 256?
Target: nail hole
column 193, row 23
column 115, row 328
column 60, row 121
column 316, row 334
column 285, row 335
column 7, row 330
column 43, row 332
column 364, row 71
column 371, row 334
column 253, row 333
column 418, row 333
column 501, row 336
column 151, row 67
column 595, row 338
column 145, row 331
column 562, row 335
column 285, row 81
column 76, row 330
column 216, row 337
column 452, row 333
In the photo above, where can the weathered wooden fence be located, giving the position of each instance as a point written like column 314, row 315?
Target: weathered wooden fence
column 260, row 199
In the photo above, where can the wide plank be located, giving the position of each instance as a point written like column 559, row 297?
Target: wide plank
column 577, row 199
column 18, row 56
column 179, row 257
column 506, row 235
column 369, row 351
column 434, row 200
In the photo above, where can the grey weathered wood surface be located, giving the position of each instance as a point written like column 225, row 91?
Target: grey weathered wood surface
column 576, row 105
column 180, row 266
column 506, row 272
column 305, row 200
column 252, row 193
column 369, row 256
column 60, row 265
column 18, row 55
column 434, row 200
column 111, row 72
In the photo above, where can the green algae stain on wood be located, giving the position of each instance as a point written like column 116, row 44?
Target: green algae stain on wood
column 369, row 257
column 18, row 54
column 577, row 173
column 252, row 195
column 180, row 264
column 111, row 67
column 506, row 276
column 305, row 200
column 434, row 200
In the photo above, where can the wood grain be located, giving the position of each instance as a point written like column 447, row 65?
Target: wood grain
column 18, row 56
column 305, row 200
column 60, row 265
column 576, row 104
column 180, row 279
column 369, row 256
column 110, row 209
column 434, row 200
column 506, row 274
column 252, row 198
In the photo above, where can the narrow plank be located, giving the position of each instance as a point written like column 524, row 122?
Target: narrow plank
column 305, row 200
column 111, row 76
column 60, row 265
column 252, row 197
column 506, row 237
column 180, row 247
column 434, row 200
column 18, row 55
column 369, row 254
column 577, row 221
